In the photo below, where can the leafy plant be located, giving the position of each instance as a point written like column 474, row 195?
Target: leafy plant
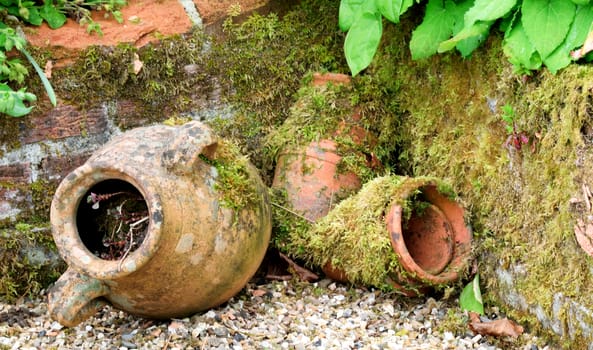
column 53, row 12
column 536, row 32
column 516, row 139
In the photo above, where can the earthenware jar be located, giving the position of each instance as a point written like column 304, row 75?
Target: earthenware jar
column 426, row 228
column 310, row 175
column 196, row 250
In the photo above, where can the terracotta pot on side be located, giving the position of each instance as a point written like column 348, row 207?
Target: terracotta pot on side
column 311, row 179
column 310, row 175
column 196, row 253
column 433, row 248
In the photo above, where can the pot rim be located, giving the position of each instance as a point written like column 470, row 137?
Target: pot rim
column 454, row 213
column 64, row 209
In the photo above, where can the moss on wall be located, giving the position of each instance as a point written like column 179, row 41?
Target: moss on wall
column 450, row 127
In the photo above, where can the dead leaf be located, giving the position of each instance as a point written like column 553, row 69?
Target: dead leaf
column 584, row 235
column 137, row 64
column 585, row 49
column 48, row 68
column 497, row 328
column 303, row 273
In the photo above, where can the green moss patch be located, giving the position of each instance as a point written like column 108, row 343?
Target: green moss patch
column 29, row 261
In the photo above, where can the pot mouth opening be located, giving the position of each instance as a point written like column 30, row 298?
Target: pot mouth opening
column 112, row 219
column 428, row 237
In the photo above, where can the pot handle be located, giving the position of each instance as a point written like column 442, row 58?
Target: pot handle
column 191, row 140
column 75, row 297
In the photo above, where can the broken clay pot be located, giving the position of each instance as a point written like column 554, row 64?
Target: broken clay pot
column 432, row 243
column 195, row 252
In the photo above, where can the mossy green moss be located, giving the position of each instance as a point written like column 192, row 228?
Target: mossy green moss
column 162, row 87
column 450, row 127
column 236, row 176
column 29, row 261
column 353, row 236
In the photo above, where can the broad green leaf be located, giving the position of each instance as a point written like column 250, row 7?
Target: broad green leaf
column 436, row 27
column 580, row 28
column 471, row 297
column 34, row 17
column 363, row 40
column 488, row 10
column 390, row 9
column 519, row 50
column 54, row 18
column 349, row 9
column 477, row 30
column 577, row 34
column 546, row 23
column 581, row 2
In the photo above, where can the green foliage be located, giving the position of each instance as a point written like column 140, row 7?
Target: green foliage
column 15, row 103
column 536, row 32
column 470, row 298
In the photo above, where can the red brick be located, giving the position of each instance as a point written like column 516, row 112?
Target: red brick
column 65, row 121
column 56, row 168
column 16, row 173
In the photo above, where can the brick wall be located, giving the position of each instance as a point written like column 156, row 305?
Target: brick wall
column 51, row 146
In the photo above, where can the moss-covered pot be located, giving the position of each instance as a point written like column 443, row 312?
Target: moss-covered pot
column 311, row 173
column 397, row 232
column 165, row 189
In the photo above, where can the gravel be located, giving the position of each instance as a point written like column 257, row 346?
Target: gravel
column 275, row 315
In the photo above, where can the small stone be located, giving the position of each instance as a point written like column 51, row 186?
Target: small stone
column 220, row 332
column 128, row 344
column 127, row 337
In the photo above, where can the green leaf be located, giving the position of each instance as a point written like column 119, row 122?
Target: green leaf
column 577, row 34
column 581, row 2
column 349, row 9
column 390, row 9
column 54, row 18
column 406, row 4
column 580, row 28
column 363, row 40
column 477, row 31
column 46, row 84
column 471, row 297
column 34, row 17
column 11, row 104
column 488, row 10
column 436, row 27
column 546, row 23
column 519, row 50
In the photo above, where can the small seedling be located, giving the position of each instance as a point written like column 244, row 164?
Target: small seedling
column 516, row 139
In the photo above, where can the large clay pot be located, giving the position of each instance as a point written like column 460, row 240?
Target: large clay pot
column 196, row 252
column 432, row 244
column 310, row 174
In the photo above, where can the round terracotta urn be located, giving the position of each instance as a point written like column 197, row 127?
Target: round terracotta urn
column 145, row 225
column 417, row 218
